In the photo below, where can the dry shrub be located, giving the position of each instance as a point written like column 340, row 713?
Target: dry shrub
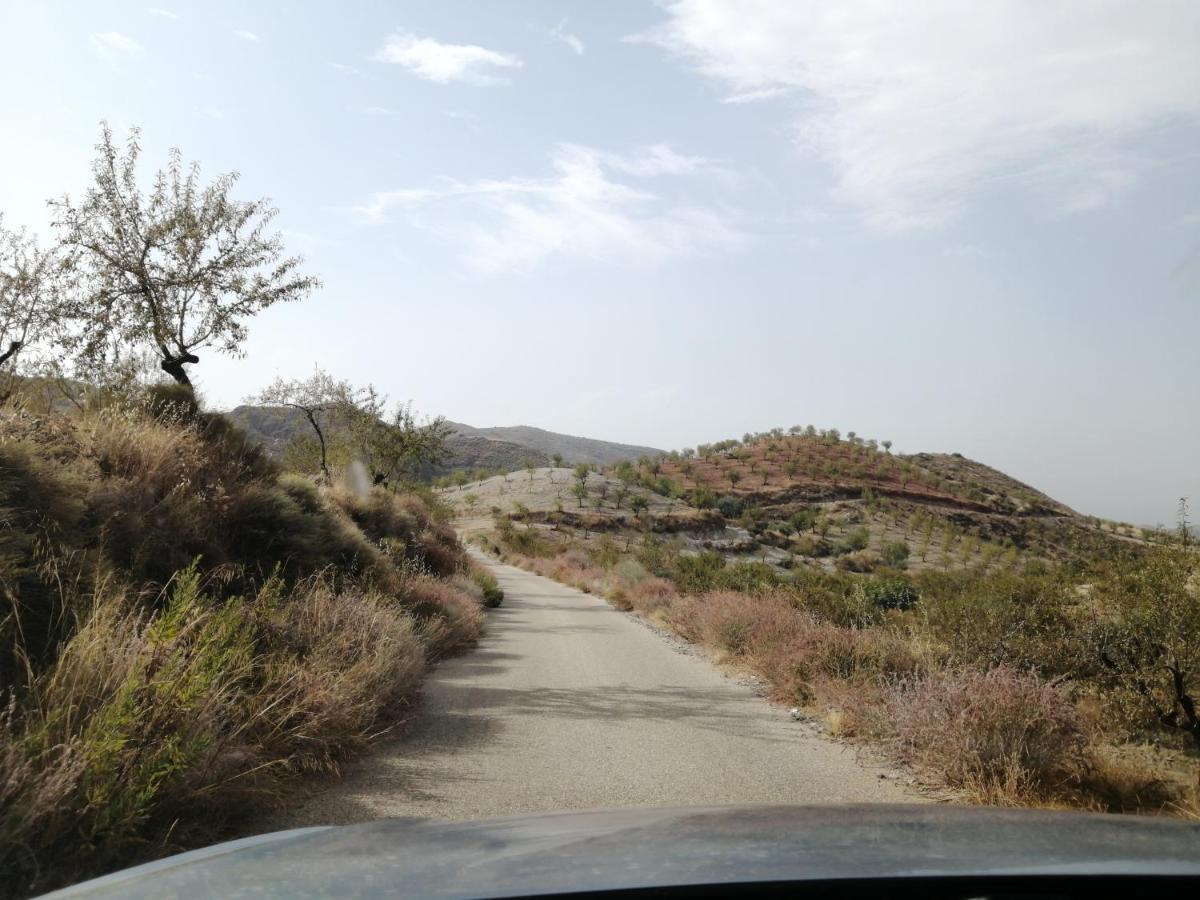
column 178, row 721
column 450, row 618
column 344, row 660
column 853, row 709
column 821, row 653
column 651, row 595
column 740, row 624
column 859, row 561
column 1005, row 735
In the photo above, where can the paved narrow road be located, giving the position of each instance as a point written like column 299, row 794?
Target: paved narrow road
column 570, row 704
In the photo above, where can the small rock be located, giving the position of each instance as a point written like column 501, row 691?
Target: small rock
column 796, row 714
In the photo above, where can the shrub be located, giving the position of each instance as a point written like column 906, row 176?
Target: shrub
column 493, row 594
column 748, row 577
column 170, row 723
column 651, row 595
column 818, row 652
column 895, row 554
column 999, row 733
column 812, row 545
column 730, row 507
column 891, row 593
column 697, row 573
column 855, row 540
column 859, row 561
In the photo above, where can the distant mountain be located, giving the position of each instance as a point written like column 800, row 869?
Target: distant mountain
column 573, row 449
column 469, row 448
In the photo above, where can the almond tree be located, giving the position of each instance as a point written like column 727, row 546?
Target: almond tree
column 180, row 268
column 317, row 398
column 390, row 444
column 30, row 294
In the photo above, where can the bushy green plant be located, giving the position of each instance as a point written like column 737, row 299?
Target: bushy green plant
column 856, row 539
column 730, row 507
column 493, row 594
column 696, row 573
column 891, row 593
column 895, row 553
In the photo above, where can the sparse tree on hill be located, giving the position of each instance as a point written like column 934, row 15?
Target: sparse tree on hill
column 580, row 492
column 734, row 478
column 558, row 460
column 581, row 472
column 530, row 466
column 887, row 446
column 317, row 397
column 391, row 444
column 638, row 504
column 179, row 269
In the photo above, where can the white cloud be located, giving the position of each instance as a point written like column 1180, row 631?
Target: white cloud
column 378, row 111
column 246, row 35
column 560, row 33
column 111, row 42
column 342, row 67
column 445, row 63
column 163, row 13
column 581, row 210
column 917, row 110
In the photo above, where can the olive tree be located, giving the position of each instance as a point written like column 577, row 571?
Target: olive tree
column 180, row 268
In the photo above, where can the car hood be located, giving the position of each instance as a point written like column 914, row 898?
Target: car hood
column 626, row 849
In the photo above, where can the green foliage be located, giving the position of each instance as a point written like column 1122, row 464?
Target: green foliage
column 493, row 594
column 891, row 593
column 703, row 498
column 803, row 519
column 856, row 539
column 730, row 507
column 695, row 574
column 174, row 271
column 1148, row 639
column 895, row 553
column 748, row 577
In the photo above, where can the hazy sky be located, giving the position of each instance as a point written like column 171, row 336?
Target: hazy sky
column 968, row 227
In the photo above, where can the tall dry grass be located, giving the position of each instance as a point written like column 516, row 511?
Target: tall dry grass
column 184, row 628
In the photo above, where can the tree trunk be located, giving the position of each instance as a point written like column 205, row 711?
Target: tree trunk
column 173, row 366
column 10, row 352
column 312, row 420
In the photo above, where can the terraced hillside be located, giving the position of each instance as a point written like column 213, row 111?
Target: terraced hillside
column 806, row 497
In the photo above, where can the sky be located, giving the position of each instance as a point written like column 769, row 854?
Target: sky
column 961, row 227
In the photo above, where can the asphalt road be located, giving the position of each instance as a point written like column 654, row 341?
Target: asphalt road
column 570, row 704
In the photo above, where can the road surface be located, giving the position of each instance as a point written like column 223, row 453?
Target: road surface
column 569, row 704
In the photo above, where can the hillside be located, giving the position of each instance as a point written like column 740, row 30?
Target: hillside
column 809, row 499
column 572, row 449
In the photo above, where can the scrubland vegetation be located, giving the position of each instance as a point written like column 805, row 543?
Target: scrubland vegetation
column 989, row 638
column 185, row 625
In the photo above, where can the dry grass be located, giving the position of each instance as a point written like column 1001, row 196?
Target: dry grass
column 185, row 628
